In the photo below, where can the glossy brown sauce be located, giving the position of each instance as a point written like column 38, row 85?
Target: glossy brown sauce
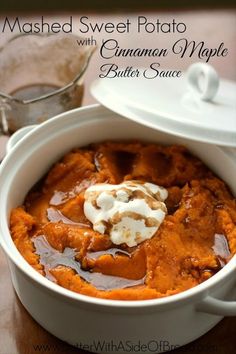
column 55, row 215
column 60, row 197
column 111, row 251
column 51, row 258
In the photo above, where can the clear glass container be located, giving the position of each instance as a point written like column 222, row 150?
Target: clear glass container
column 41, row 76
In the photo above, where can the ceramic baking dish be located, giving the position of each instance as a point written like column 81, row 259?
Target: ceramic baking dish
column 81, row 320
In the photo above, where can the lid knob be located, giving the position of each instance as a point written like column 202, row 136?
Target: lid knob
column 203, row 81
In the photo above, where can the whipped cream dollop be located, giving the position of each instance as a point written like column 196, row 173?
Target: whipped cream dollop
column 130, row 212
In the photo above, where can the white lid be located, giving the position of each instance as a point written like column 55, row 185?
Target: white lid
column 195, row 106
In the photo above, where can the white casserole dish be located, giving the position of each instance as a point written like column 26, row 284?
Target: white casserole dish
column 160, row 324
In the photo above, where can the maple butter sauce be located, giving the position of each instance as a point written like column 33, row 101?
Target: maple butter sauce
column 51, row 258
column 127, row 221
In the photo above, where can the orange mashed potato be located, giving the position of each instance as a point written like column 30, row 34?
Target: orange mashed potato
column 196, row 239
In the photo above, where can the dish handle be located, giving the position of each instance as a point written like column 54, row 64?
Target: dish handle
column 17, row 136
column 217, row 307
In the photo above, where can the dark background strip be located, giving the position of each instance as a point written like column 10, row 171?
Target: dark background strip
column 16, row 6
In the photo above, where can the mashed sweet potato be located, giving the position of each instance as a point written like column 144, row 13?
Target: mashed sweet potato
column 196, row 239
